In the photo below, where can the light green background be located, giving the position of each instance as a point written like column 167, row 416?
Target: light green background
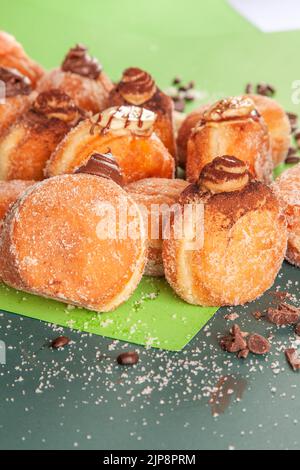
column 210, row 43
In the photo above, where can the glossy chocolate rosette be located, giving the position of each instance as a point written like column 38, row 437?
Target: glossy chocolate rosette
column 82, row 78
column 231, row 126
column 29, row 142
column 125, row 131
column 138, row 88
column 234, row 238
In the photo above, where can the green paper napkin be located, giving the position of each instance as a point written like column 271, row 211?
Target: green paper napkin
column 154, row 316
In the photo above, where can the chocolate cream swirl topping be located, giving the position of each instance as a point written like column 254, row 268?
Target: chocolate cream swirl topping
column 103, row 164
column 123, row 119
column 224, row 174
column 80, row 62
column 15, row 83
column 231, row 108
column 54, row 104
column 136, row 86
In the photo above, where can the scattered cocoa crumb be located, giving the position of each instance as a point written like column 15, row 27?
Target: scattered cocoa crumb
column 60, row 342
column 293, row 358
column 257, row 344
column 284, row 314
column 281, row 295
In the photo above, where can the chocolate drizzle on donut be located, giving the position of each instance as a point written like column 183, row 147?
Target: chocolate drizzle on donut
column 80, row 62
column 54, row 104
column 103, row 164
column 229, row 109
column 15, row 83
column 136, row 86
column 224, row 174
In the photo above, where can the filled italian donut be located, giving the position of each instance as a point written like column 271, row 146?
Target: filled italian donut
column 82, row 78
column 63, row 240
column 156, row 198
column 287, row 188
column 231, row 127
column 278, row 125
column 27, row 145
column 138, row 88
column 233, row 241
column 126, row 132
column 13, row 56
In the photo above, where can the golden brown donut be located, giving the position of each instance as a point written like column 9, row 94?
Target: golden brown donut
column 138, row 88
column 278, row 125
column 287, row 188
column 58, row 241
column 82, row 78
column 234, row 240
column 10, row 191
column 29, row 142
column 126, row 132
column 12, row 55
column 155, row 198
column 231, row 127
column 185, row 131
column 16, row 93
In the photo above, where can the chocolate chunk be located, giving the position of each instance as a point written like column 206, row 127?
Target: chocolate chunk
column 243, row 354
column 257, row 344
column 249, row 89
column 234, row 342
column 293, row 118
column 257, row 315
column 80, row 62
column 60, row 342
column 297, row 329
column 15, row 83
column 265, row 89
column 293, row 358
column 128, row 358
column 284, row 314
column 179, row 105
column 292, row 160
column 103, row 164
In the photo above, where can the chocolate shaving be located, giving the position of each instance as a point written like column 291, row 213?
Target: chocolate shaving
column 257, row 344
column 15, row 83
column 80, row 62
column 284, row 314
column 243, row 354
column 234, row 342
column 293, row 358
column 297, row 329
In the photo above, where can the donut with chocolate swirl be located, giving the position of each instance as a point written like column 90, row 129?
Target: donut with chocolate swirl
column 30, row 140
column 15, row 96
column 232, row 240
column 82, row 78
column 125, row 131
column 231, row 126
column 103, row 164
column 138, row 88
column 13, row 56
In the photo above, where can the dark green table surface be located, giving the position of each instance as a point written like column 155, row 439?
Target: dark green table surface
column 79, row 397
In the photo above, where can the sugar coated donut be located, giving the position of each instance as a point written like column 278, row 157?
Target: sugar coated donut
column 232, row 240
column 10, row 191
column 126, row 132
column 155, row 198
column 62, row 240
column 231, row 127
column 82, row 78
column 287, row 188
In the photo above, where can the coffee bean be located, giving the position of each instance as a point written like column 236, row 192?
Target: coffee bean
column 249, row 89
column 265, row 89
column 176, row 81
column 292, row 160
column 257, row 344
column 60, row 342
column 293, row 118
column 128, row 358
